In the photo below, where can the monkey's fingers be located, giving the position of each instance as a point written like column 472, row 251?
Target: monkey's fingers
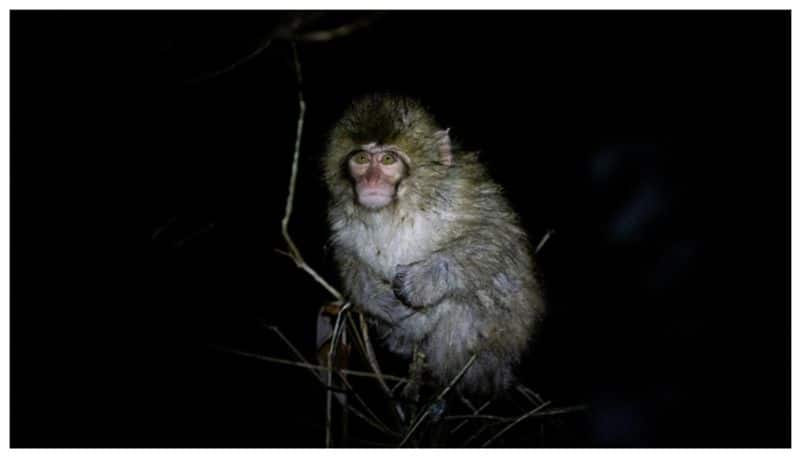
column 399, row 286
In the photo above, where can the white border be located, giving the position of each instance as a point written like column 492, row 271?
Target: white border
column 5, row 182
column 396, row 4
column 354, row 4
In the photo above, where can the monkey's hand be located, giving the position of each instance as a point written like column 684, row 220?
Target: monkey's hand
column 418, row 285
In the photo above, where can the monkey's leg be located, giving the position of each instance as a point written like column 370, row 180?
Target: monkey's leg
column 411, row 392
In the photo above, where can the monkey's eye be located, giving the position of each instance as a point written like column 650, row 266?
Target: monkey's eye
column 388, row 159
column 360, row 158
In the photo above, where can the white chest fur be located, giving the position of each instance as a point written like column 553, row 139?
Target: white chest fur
column 384, row 240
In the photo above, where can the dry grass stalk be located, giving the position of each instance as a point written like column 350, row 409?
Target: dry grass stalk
column 444, row 392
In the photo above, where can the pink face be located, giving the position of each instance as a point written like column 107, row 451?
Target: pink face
column 376, row 170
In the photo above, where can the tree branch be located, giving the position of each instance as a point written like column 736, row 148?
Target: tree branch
column 517, row 421
column 438, row 398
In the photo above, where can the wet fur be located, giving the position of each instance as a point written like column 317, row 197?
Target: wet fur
column 446, row 267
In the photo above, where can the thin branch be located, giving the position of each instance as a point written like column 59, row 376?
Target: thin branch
column 375, row 421
column 295, row 158
column 549, row 412
column 438, row 398
column 328, row 412
column 378, row 423
column 362, row 347
column 288, row 32
column 373, row 363
column 381, row 427
column 356, row 335
column 564, row 410
column 480, row 431
column 337, row 329
column 160, row 229
column 264, row 44
column 372, row 422
column 396, row 386
column 517, row 421
column 478, row 416
column 543, row 241
column 467, row 403
column 337, row 32
column 370, row 353
column 296, row 352
column 530, row 395
column 348, row 372
column 294, row 253
column 477, row 411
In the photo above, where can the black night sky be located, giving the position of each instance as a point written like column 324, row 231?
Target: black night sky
column 147, row 190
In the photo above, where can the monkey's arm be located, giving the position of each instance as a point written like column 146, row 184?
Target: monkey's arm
column 486, row 258
column 368, row 290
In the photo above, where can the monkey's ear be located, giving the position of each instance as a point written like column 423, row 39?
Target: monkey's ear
column 444, row 147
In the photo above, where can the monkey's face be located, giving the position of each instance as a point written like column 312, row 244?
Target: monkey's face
column 376, row 170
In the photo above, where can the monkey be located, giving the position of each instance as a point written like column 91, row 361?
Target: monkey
column 428, row 247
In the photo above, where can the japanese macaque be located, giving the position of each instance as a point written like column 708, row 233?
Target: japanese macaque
column 427, row 245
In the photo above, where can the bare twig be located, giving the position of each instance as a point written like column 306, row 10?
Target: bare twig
column 337, row 32
column 556, row 411
column 356, row 334
column 354, row 392
column 549, row 412
column 288, row 32
column 543, row 241
column 264, row 44
column 308, row 365
column 530, row 395
column 498, row 420
column 480, row 431
column 438, row 398
column 377, row 425
column 296, row 352
column 396, row 386
column 478, row 416
column 374, row 421
column 337, row 329
column 363, row 350
column 517, row 421
column 373, row 363
column 294, row 253
column 467, row 403
column 370, row 353
column 160, row 229
column 477, row 411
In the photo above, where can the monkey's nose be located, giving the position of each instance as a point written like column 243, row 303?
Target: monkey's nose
column 373, row 175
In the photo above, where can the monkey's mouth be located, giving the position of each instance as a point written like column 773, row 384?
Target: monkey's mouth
column 374, row 199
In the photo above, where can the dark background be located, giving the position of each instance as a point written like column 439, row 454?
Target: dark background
column 147, row 194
